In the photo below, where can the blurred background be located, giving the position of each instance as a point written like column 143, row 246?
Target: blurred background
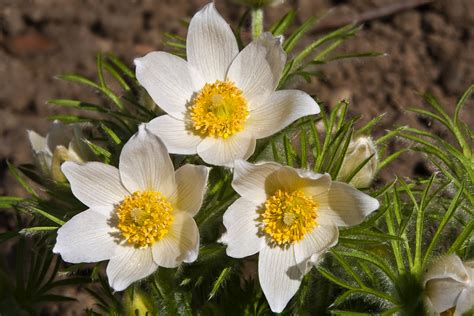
column 428, row 46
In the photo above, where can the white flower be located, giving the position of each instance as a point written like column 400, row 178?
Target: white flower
column 140, row 215
column 450, row 283
column 220, row 101
column 290, row 217
column 358, row 151
column 60, row 144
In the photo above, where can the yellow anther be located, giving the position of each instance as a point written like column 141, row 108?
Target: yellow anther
column 287, row 216
column 144, row 218
column 219, row 110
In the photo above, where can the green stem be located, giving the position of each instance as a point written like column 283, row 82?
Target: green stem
column 257, row 22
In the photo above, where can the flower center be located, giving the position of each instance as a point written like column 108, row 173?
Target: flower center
column 219, row 110
column 287, row 216
column 144, row 217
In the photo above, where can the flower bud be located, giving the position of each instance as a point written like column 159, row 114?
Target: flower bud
column 137, row 303
column 62, row 143
column 260, row 3
column 358, row 151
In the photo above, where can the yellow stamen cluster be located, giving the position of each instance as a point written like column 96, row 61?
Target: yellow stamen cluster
column 219, row 110
column 144, row 217
column 287, row 216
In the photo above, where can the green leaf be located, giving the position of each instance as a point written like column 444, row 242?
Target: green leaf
column 223, row 276
column 283, row 24
column 294, row 38
column 76, row 104
column 120, row 65
column 367, row 128
column 45, row 214
column 18, row 175
column 9, row 201
column 112, row 135
column 356, row 55
column 447, row 216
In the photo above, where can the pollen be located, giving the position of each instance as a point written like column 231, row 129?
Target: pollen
column 286, row 217
column 219, row 110
column 144, row 218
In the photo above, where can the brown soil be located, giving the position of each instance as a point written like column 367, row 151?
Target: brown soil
column 430, row 47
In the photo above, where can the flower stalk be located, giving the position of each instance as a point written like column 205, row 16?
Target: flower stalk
column 257, row 22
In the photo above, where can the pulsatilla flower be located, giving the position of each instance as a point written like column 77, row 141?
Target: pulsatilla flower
column 290, row 217
column 140, row 215
column 220, row 100
column 449, row 285
column 358, row 151
column 62, row 143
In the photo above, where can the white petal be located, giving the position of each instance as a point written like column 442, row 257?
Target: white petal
column 465, row 302
column 87, row 237
column 58, row 135
column 443, row 293
column 175, row 134
column 251, row 72
column 279, row 276
column 345, row 205
column 94, row 183
column 253, row 181
column 169, row 80
column 270, row 115
column 38, row 142
column 447, row 267
column 314, row 244
column 191, row 182
column 242, row 238
column 275, row 56
column 129, row 264
column 180, row 244
column 297, row 179
column 146, row 165
column 211, row 45
column 223, row 152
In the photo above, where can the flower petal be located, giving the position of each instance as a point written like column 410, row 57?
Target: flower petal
column 211, row 45
column 276, row 56
column 253, row 181
column 146, row 165
column 314, row 244
column 169, row 81
column 177, row 138
column 87, row 237
column 58, row 135
column 279, row 276
column 345, row 205
column 297, row 179
column 251, row 72
column 191, row 182
column 129, row 264
column 279, row 110
column 38, row 142
column 242, row 238
column 443, row 293
column 447, row 267
column 94, row 183
column 465, row 302
column 223, row 152
column 180, row 244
